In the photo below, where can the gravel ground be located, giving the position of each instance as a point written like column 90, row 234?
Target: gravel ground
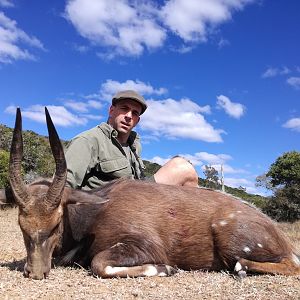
column 77, row 283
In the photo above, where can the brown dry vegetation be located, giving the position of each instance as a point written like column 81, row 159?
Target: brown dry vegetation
column 77, row 283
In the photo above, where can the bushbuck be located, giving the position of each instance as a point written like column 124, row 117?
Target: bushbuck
column 139, row 228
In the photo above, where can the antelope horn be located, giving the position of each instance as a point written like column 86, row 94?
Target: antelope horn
column 16, row 152
column 54, row 194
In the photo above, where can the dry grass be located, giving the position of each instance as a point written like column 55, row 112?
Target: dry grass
column 71, row 283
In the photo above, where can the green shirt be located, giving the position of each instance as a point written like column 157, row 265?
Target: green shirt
column 96, row 157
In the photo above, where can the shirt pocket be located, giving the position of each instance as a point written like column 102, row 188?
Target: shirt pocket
column 114, row 165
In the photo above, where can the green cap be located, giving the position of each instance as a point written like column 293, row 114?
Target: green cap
column 132, row 95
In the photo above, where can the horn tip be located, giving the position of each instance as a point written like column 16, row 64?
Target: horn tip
column 46, row 111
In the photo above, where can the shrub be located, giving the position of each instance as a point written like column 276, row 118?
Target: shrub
column 4, row 162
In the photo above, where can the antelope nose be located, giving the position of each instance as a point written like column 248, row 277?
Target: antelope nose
column 34, row 275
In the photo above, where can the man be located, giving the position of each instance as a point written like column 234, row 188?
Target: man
column 112, row 150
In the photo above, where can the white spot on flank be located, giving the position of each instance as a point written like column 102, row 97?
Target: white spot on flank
column 231, row 216
column 114, row 270
column 150, row 271
column 239, row 211
column 259, row 245
column 247, row 249
column 238, row 267
column 223, row 223
column 213, row 225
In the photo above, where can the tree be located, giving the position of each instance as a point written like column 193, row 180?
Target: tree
column 241, row 188
column 283, row 178
column 265, row 182
column 284, row 205
column 212, row 178
column 285, row 171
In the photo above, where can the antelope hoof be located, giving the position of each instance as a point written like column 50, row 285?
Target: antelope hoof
column 166, row 270
column 242, row 274
column 240, row 271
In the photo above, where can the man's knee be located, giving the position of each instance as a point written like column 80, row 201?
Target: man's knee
column 178, row 171
column 182, row 165
column 179, row 160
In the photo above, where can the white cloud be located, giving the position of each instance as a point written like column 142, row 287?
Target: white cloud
column 6, row 3
column 192, row 20
column 270, row 72
column 77, row 106
column 236, row 182
column 273, row 72
column 129, row 27
column 92, row 117
column 235, row 110
column 179, row 119
column 228, row 169
column 202, row 158
column 293, row 124
column 294, row 82
column 245, row 183
column 81, row 48
column 95, row 104
column 110, row 87
column 13, row 41
column 82, row 107
column 60, row 116
column 159, row 160
column 199, row 159
column 183, row 49
column 223, row 43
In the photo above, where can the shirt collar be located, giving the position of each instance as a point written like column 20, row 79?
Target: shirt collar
column 110, row 132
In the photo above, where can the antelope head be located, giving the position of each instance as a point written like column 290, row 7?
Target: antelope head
column 40, row 203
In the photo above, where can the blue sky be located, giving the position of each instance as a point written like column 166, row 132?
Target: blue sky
column 221, row 77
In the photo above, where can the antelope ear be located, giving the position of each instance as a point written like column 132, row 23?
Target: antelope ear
column 7, row 197
column 80, row 197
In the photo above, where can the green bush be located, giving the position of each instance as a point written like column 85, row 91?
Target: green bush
column 284, row 205
column 4, row 162
column 151, row 168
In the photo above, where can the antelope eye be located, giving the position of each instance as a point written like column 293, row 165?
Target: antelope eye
column 43, row 236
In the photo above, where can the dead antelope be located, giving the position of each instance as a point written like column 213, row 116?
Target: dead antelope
column 137, row 228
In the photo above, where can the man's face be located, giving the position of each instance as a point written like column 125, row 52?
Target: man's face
column 124, row 115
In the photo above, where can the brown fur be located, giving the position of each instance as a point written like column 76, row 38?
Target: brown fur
column 185, row 227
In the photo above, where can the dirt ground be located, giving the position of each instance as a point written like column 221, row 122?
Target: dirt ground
column 77, row 283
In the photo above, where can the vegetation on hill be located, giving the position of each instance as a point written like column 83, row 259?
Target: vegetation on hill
column 37, row 158
column 4, row 160
column 150, row 168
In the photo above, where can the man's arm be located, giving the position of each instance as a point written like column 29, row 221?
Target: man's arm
column 78, row 157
